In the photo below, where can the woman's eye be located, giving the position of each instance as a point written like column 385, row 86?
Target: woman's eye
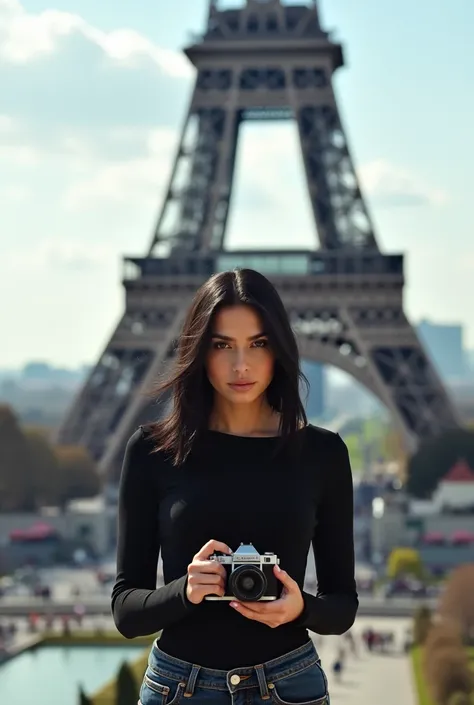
column 220, row 345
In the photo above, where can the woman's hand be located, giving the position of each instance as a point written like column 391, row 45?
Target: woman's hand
column 206, row 577
column 273, row 614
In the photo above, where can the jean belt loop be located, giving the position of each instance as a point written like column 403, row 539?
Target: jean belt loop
column 191, row 684
column 262, row 682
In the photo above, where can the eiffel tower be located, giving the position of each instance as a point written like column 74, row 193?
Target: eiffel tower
column 264, row 60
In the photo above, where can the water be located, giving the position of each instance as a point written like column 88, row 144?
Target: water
column 51, row 675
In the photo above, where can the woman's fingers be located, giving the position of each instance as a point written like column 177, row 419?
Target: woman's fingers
column 211, row 547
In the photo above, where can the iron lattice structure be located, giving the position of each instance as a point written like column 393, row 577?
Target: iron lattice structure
column 261, row 61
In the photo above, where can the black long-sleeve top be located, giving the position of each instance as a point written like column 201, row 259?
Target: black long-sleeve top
column 233, row 489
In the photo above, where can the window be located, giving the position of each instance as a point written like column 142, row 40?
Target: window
column 252, row 24
column 294, row 264
column 267, row 264
column 272, row 22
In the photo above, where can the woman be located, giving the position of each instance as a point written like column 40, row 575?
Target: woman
column 234, row 462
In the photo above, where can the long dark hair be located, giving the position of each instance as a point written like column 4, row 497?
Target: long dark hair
column 191, row 392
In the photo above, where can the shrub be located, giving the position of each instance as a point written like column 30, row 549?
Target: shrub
column 448, row 674
column 459, row 699
column 127, row 688
column 85, row 700
column 444, row 635
column 457, row 601
column 405, row 561
column 422, row 624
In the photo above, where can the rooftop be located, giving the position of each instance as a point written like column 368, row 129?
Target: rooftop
column 460, row 472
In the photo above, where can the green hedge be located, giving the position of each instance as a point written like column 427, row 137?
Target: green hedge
column 91, row 638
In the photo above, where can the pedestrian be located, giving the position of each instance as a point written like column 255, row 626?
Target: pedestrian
column 337, row 669
column 349, row 637
column 232, row 486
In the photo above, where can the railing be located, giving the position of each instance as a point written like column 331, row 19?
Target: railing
column 292, row 263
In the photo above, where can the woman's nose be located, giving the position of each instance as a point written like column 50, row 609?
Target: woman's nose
column 240, row 362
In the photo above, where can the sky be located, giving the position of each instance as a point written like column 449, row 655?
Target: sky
column 92, row 99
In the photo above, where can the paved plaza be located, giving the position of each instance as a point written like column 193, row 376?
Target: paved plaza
column 370, row 678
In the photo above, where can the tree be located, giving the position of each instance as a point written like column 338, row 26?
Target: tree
column 127, row 688
column 435, row 458
column 16, row 467
column 394, row 449
column 442, row 635
column 446, row 663
column 404, row 561
column 34, row 473
column 448, row 673
column 83, row 698
column 46, row 475
column 78, row 472
column 457, row 600
column 422, row 624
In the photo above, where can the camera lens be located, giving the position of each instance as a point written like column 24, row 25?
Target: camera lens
column 247, row 583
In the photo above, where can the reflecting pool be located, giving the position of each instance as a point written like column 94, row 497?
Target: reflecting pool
column 51, row 675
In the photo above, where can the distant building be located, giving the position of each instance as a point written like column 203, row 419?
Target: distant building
column 444, row 344
column 470, row 361
column 35, row 538
column 453, row 495
column 456, row 490
column 441, row 528
column 316, row 375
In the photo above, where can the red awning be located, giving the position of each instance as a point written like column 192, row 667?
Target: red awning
column 37, row 532
column 462, row 537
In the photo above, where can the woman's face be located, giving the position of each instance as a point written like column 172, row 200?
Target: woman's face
column 239, row 363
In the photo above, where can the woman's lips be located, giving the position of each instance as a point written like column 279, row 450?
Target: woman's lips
column 241, row 386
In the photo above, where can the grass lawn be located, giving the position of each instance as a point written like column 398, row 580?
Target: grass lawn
column 92, row 638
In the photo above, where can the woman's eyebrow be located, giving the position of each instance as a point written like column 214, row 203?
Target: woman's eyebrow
column 227, row 337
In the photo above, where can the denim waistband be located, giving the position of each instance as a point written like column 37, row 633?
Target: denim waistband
column 261, row 675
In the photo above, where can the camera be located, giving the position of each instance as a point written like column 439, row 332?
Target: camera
column 250, row 576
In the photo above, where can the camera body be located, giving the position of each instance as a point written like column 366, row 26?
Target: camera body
column 250, row 576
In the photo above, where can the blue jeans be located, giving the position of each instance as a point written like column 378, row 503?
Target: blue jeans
column 296, row 678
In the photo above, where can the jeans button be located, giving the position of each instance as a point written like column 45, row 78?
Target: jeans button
column 235, row 679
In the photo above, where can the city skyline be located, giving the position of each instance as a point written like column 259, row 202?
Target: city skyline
column 93, row 102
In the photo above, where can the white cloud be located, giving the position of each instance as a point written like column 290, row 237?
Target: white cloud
column 58, row 252
column 59, row 72
column 23, row 155
column 14, row 194
column 25, row 36
column 111, row 147
column 391, row 185
column 465, row 265
column 14, row 143
column 137, row 180
column 6, row 124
